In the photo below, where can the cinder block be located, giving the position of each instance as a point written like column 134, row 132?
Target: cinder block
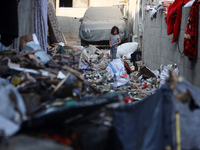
column 164, row 24
column 180, row 58
column 163, row 61
column 158, row 50
column 159, row 20
column 163, row 51
column 159, row 60
column 170, row 55
column 164, row 33
column 172, row 46
column 164, row 42
column 180, row 67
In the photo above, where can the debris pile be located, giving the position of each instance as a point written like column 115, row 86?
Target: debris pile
column 67, row 85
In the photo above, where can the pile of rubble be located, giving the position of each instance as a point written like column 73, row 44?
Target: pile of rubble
column 142, row 82
column 67, row 84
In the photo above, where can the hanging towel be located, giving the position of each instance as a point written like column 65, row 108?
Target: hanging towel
column 173, row 20
column 191, row 32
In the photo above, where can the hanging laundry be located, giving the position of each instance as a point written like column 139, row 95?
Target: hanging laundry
column 40, row 20
column 173, row 20
column 191, row 32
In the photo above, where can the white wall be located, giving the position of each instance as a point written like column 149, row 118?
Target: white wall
column 104, row 2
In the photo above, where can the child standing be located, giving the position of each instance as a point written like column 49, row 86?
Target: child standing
column 114, row 41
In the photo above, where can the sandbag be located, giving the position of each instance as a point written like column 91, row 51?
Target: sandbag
column 126, row 48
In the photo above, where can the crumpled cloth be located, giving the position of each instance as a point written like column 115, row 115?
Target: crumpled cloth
column 173, row 20
column 191, row 32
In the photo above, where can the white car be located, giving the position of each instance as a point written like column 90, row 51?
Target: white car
column 98, row 22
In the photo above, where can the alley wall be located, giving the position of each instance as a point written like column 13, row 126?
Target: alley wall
column 158, row 49
column 25, row 20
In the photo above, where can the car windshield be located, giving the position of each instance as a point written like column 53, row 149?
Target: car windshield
column 102, row 14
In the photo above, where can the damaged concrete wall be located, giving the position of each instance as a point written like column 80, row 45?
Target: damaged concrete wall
column 138, row 11
column 25, row 18
column 158, row 48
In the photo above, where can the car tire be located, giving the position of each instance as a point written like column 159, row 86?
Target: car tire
column 84, row 43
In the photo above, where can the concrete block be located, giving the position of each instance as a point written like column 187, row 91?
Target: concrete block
column 155, row 66
column 164, row 24
column 168, row 62
column 158, row 50
column 163, row 61
column 164, row 52
column 164, row 33
column 151, row 22
column 172, row 46
column 175, row 57
column 147, row 31
column 170, row 37
column 164, row 42
column 159, row 20
column 180, row 58
column 159, row 60
column 156, row 40
column 157, row 32
column 180, row 67
column 170, row 55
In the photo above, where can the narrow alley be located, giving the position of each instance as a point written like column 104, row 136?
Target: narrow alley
column 99, row 75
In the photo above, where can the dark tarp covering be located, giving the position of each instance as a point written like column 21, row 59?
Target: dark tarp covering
column 150, row 124
column 146, row 124
column 9, row 21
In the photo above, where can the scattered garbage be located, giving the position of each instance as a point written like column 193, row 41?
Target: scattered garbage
column 68, row 85
column 116, row 69
column 12, row 108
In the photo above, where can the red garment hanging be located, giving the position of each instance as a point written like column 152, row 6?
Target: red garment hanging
column 191, row 32
column 173, row 20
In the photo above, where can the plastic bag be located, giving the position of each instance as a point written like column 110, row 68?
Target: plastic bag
column 116, row 69
column 12, row 108
column 127, row 48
